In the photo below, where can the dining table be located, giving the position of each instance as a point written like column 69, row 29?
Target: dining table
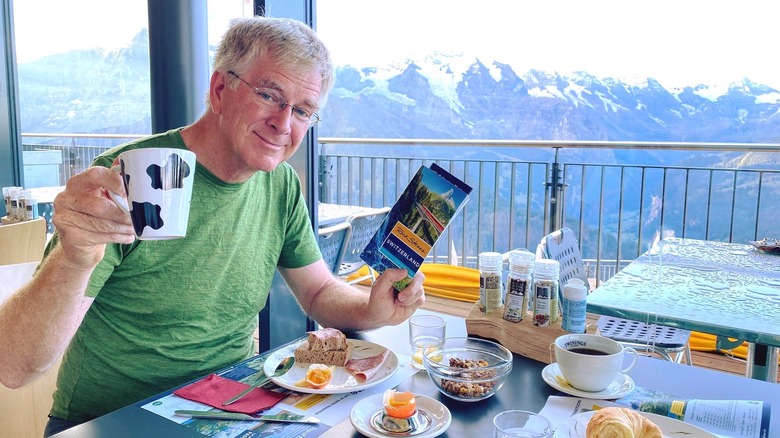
column 730, row 290
column 524, row 389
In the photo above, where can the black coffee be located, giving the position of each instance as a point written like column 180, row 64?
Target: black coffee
column 588, row 351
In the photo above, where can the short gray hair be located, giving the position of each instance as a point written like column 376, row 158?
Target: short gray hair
column 293, row 44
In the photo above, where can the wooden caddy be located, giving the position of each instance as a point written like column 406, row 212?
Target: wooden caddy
column 523, row 338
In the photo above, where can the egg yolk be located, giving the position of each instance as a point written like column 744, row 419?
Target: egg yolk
column 318, row 375
column 399, row 404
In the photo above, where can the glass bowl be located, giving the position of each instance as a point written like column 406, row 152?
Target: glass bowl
column 468, row 369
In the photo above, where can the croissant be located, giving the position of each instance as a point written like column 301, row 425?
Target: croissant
column 621, row 423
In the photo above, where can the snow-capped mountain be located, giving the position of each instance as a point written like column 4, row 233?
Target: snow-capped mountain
column 461, row 97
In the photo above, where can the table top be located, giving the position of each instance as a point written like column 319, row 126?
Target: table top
column 525, row 389
column 726, row 289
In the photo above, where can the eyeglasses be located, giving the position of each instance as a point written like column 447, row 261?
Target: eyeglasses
column 270, row 98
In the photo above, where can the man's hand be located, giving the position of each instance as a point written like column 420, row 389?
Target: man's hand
column 385, row 304
column 86, row 218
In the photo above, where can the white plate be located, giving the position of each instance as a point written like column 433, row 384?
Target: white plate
column 361, row 414
column 342, row 381
column 575, row 426
column 620, row 387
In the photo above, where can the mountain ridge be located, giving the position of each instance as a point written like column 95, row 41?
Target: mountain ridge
column 441, row 96
column 552, row 106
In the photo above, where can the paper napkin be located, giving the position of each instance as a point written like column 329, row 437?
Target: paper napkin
column 213, row 390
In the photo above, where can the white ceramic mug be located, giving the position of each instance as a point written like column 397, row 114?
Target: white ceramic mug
column 591, row 362
column 158, row 183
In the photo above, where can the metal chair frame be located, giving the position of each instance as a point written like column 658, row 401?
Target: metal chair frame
column 333, row 241
column 364, row 226
column 562, row 245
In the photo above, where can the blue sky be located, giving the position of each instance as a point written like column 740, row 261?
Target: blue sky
column 678, row 42
column 86, row 24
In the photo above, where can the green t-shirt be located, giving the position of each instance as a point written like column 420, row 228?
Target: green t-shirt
column 169, row 311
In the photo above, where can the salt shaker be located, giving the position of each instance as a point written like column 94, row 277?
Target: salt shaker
column 573, row 306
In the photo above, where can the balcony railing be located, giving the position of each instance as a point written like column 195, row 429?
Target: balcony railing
column 617, row 210
column 77, row 151
column 524, row 190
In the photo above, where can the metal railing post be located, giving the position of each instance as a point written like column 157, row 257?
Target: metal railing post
column 555, row 192
column 324, row 176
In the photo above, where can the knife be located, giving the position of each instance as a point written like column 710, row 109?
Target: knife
column 282, row 368
column 285, row 417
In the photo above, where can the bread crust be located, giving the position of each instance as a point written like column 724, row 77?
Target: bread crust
column 325, row 346
column 327, row 339
column 616, row 422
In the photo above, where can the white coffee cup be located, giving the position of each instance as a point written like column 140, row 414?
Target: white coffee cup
column 591, row 362
column 158, row 183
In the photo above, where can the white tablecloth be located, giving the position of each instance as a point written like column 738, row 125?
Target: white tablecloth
column 14, row 276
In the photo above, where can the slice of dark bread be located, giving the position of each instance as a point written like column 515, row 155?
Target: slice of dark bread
column 305, row 354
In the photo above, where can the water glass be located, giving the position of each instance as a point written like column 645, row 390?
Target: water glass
column 521, row 424
column 425, row 330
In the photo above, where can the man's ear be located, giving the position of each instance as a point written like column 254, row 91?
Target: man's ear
column 216, row 88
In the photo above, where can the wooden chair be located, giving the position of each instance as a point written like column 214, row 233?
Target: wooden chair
column 364, row 226
column 333, row 242
column 24, row 411
column 22, row 242
column 562, row 245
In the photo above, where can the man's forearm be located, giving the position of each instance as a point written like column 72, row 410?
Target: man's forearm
column 40, row 319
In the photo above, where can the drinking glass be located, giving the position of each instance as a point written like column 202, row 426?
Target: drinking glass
column 425, row 330
column 521, row 424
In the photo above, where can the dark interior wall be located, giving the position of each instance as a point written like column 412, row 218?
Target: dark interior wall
column 179, row 61
column 10, row 139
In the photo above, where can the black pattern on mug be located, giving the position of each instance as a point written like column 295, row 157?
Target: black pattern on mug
column 171, row 176
column 145, row 214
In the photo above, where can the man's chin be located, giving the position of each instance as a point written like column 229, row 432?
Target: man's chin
column 267, row 165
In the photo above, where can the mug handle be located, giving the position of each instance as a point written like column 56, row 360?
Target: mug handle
column 633, row 362
column 116, row 197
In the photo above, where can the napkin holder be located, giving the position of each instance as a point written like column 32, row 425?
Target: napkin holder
column 523, row 338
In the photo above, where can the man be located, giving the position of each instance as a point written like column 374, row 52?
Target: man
column 136, row 317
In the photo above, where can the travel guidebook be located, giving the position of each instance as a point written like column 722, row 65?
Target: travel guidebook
column 427, row 205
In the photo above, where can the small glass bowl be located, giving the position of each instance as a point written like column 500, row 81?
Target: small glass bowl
column 468, row 369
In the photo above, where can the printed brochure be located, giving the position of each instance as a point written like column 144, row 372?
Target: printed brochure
column 422, row 213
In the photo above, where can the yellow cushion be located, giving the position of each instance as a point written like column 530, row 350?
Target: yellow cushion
column 446, row 281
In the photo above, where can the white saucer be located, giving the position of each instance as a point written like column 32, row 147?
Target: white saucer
column 361, row 414
column 620, row 387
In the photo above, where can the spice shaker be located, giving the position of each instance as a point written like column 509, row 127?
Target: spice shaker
column 545, row 292
column 573, row 306
column 518, row 285
column 490, row 281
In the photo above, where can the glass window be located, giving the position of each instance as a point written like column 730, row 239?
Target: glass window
column 83, row 69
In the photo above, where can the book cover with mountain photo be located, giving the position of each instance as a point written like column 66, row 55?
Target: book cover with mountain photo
column 427, row 205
